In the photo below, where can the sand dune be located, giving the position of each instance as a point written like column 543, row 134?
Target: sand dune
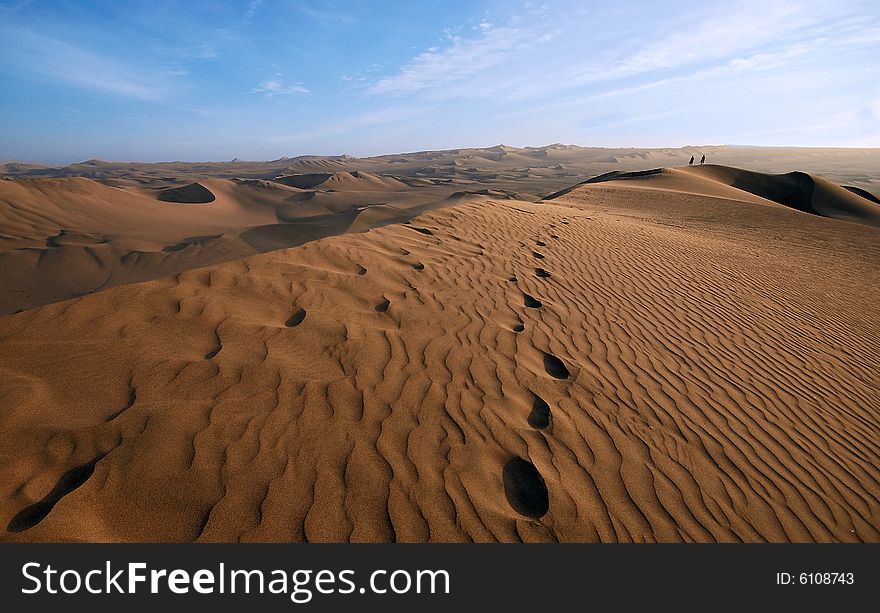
column 648, row 358
column 800, row 191
column 796, row 190
column 66, row 237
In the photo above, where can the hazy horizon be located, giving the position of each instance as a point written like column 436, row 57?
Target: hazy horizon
column 264, row 79
column 67, row 162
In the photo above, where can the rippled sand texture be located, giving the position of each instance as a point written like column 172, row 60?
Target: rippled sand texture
column 631, row 361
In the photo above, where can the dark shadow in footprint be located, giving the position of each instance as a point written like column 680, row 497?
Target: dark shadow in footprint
column 525, row 488
column 361, row 270
column 540, row 243
column 537, row 255
column 554, row 367
column 296, row 319
column 532, row 303
column 542, row 273
column 419, row 266
column 32, row 515
column 424, row 231
column 383, row 306
column 539, row 418
column 513, row 279
column 519, row 327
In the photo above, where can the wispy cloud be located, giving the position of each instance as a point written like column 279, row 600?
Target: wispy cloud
column 462, row 59
column 63, row 62
column 276, row 87
column 542, row 57
column 252, row 8
column 325, row 13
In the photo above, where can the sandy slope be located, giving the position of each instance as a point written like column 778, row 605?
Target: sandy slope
column 626, row 362
column 65, row 237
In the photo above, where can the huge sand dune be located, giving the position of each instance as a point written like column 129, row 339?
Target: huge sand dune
column 687, row 354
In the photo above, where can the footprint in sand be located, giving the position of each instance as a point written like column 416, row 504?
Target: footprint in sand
column 519, row 327
column 531, row 302
column 419, row 266
column 554, row 367
column 537, row 255
column 296, row 319
column 540, row 243
column 383, row 306
column 361, row 270
column 32, row 515
column 539, row 418
column 542, row 273
column 525, row 489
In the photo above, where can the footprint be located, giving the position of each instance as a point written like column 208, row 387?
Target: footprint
column 525, row 488
column 217, row 345
column 361, row 270
column 554, row 367
column 519, row 327
column 554, row 236
column 419, row 266
column 542, row 273
column 425, row 231
column 383, row 306
column 540, row 243
column 539, row 418
column 537, row 255
column 32, row 515
column 296, row 319
column 530, row 302
column 513, row 279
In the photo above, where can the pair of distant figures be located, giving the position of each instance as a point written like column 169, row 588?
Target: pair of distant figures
column 702, row 160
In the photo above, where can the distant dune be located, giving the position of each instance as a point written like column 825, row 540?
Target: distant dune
column 654, row 354
column 796, row 190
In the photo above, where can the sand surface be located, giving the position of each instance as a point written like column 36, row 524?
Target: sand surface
column 687, row 354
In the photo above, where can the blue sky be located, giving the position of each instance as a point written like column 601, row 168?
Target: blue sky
column 213, row 80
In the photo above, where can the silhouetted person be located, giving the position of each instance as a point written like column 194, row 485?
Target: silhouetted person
column 703, row 159
column 691, row 163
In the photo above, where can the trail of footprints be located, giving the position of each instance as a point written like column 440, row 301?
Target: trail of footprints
column 524, row 486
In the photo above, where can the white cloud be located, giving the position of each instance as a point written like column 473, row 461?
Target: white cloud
column 276, row 87
column 62, row 62
column 253, row 7
column 461, row 59
column 326, row 15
